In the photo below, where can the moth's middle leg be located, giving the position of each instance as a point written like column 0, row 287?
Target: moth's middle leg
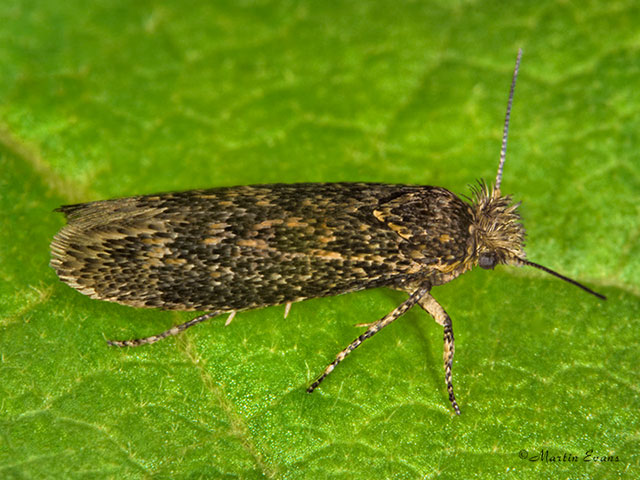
column 371, row 331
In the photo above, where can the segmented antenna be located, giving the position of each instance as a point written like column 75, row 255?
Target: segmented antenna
column 522, row 261
column 505, row 132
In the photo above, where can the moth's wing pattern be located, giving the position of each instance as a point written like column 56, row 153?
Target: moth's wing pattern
column 238, row 248
column 109, row 248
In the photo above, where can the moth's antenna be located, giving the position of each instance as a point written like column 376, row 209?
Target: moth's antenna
column 505, row 132
column 522, row 261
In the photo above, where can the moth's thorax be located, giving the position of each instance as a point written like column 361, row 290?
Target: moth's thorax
column 497, row 230
column 437, row 230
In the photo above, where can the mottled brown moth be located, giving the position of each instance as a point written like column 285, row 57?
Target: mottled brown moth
column 230, row 249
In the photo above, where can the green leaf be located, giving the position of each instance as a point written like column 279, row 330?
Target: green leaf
column 105, row 99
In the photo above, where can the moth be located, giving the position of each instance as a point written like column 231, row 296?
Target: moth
column 230, row 249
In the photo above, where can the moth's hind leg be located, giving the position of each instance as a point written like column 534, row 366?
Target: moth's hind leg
column 434, row 309
column 167, row 333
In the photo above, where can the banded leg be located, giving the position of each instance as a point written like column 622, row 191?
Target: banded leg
column 371, row 331
column 438, row 313
column 167, row 333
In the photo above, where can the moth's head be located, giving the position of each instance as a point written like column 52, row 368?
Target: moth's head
column 498, row 232
column 499, row 235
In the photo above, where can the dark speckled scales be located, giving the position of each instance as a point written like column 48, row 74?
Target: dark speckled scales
column 239, row 248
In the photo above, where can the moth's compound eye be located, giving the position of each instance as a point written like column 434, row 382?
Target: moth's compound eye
column 487, row 261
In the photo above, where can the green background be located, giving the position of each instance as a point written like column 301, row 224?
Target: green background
column 106, row 98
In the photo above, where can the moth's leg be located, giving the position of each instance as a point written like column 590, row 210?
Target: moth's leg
column 371, row 331
column 366, row 325
column 230, row 318
column 434, row 309
column 167, row 333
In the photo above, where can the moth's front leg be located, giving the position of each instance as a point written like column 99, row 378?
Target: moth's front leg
column 434, row 309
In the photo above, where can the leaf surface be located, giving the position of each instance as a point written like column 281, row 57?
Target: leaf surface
column 112, row 99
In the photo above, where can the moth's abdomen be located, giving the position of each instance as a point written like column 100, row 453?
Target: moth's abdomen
column 237, row 248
